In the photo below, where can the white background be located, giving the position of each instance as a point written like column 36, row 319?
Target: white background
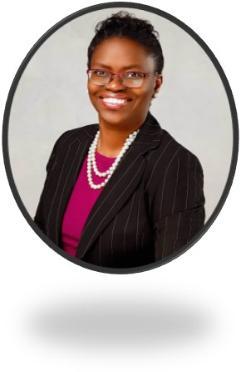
column 57, row 316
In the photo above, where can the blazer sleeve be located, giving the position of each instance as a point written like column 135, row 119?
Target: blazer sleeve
column 39, row 217
column 178, row 205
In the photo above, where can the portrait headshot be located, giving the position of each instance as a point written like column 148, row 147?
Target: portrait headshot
column 120, row 139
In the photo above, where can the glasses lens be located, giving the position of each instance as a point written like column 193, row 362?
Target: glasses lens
column 133, row 79
column 99, row 77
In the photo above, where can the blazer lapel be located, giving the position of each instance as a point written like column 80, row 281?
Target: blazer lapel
column 121, row 185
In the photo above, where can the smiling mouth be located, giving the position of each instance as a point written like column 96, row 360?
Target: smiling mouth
column 114, row 103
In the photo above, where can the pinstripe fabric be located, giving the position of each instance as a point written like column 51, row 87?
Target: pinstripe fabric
column 150, row 208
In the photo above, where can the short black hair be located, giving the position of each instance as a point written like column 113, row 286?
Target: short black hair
column 123, row 24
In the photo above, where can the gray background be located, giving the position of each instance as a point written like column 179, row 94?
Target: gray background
column 51, row 98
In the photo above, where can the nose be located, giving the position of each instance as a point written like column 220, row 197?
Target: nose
column 115, row 83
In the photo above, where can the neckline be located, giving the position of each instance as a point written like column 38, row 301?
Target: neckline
column 105, row 157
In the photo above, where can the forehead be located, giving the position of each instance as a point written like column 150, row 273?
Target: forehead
column 119, row 53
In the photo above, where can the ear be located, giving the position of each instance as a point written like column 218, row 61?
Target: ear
column 158, row 84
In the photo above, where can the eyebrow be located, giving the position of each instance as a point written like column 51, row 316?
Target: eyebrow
column 124, row 68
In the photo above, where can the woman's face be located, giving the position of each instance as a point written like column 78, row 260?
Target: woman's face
column 131, row 107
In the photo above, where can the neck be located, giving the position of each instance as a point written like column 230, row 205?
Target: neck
column 112, row 139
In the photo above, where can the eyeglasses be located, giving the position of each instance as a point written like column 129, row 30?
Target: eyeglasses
column 130, row 79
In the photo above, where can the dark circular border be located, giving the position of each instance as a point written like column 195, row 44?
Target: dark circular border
column 232, row 106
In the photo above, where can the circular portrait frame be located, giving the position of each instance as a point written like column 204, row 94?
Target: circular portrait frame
column 235, row 135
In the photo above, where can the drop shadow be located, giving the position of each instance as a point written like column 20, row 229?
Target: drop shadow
column 114, row 322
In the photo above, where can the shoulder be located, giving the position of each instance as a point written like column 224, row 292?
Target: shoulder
column 76, row 134
column 170, row 151
column 67, row 139
column 171, row 160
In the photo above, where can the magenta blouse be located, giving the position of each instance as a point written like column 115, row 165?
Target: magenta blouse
column 80, row 204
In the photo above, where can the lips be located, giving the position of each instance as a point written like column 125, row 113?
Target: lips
column 114, row 102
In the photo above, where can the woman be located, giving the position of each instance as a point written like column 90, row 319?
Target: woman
column 122, row 193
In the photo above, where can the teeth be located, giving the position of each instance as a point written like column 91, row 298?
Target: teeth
column 114, row 101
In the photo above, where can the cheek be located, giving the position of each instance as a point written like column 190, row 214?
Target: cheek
column 92, row 89
column 145, row 96
column 146, row 92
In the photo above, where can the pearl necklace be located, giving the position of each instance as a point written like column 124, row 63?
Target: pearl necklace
column 91, row 162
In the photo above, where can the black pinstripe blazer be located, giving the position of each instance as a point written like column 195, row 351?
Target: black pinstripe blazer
column 151, row 207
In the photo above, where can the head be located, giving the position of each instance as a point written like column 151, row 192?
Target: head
column 125, row 61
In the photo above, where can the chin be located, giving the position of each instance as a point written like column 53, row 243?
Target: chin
column 114, row 117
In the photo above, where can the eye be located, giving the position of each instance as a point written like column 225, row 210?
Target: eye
column 100, row 73
column 134, row 75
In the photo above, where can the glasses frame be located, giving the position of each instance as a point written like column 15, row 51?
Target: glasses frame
column 120, row 75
